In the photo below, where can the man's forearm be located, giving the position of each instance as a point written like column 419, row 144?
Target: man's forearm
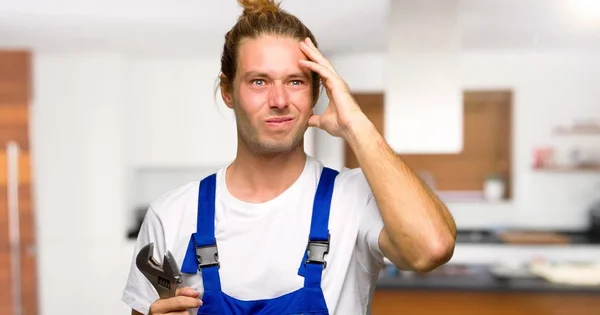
column 417, row 223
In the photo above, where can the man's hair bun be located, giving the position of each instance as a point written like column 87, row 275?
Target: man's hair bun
column 259, row 6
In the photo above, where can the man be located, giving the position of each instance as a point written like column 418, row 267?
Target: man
column 292, row 236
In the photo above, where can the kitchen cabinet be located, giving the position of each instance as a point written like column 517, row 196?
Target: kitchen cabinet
column 486, row 151
column 448, row 302
column 423, row 93
column 474, row 290
column 17, row 242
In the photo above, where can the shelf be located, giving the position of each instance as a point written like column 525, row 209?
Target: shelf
column 565, row 169
column 576, row 131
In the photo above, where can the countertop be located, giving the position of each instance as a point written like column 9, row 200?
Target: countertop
column 489, row 237
column 478, row 237
column 474, row 278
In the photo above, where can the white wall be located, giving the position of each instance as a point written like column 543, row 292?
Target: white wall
column 175, row 118
column 79, row 154
column 549, row 89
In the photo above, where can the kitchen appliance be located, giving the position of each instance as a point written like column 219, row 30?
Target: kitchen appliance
column 594, row 221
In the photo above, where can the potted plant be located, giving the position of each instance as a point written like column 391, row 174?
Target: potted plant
column 494, row 187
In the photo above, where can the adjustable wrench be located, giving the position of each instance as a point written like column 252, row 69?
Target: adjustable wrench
column 165, row 278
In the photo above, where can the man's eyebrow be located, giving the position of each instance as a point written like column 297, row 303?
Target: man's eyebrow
column 250, row 74
column 301, row 75
column 258, row 74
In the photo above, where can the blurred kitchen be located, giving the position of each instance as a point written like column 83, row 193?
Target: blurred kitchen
column 105, row 105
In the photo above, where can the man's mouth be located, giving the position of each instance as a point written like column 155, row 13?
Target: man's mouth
column 279, row 120
column 279, row 123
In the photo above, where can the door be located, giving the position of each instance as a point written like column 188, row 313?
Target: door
column 18, row 274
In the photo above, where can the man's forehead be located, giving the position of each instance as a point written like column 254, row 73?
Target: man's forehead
column 270, row 55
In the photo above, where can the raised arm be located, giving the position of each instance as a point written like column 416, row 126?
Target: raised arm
column 419, row 232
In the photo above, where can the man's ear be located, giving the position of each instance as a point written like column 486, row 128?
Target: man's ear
column 227, row 97
column 226, row 91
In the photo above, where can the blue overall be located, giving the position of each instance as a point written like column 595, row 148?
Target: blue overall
column 202, row 254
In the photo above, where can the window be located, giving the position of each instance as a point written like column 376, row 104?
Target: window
column 486, row 151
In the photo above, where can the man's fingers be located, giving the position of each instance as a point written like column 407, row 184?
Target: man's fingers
column 175, row 304
column 314, row 54
column 325, row 61
column 187, row 291
column 314, row 121
column 185, row 299
column 182, row 303
column 329, row 78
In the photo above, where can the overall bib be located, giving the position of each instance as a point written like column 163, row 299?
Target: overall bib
column 202, row 255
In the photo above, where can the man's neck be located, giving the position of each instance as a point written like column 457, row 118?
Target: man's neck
column 254, row 178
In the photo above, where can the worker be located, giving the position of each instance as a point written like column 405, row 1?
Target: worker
column 291, row 235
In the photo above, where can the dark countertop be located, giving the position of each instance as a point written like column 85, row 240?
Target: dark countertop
column 476, row 237
column 489, row 237
column 475, row 278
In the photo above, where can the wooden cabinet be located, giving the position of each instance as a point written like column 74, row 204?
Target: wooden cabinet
column 17, row 240
column 487, row 119
column 407, row 302
column 15, row 77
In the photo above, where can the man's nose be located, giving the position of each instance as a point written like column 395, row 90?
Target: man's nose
column 279, row 97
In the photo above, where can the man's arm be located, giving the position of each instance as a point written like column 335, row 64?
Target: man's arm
column 419, row 233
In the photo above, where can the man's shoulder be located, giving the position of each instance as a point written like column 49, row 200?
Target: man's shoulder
column 176, row 198
column 346, row 175
column 351, row 173
column 180, row 197
column 350, row 181
column 352, row 177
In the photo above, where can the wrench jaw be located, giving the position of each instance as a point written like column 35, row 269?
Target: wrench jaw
column 166, row 278
column 145, row 260
column 170, row 268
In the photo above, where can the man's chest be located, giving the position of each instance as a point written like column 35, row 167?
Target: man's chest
column 260, row 257
column 261, row 253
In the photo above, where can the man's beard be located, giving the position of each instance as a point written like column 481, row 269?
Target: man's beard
column 249, row 135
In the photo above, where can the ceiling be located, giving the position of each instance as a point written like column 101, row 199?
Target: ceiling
column 176, row 25
column 186, row 26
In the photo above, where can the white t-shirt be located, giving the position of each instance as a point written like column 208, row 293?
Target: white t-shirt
column 262, row 245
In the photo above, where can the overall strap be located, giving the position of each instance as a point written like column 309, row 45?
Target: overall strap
column 314, row 262
column 202, row 253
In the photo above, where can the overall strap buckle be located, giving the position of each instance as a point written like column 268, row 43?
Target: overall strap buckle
column 208, row 256
column 317, row 250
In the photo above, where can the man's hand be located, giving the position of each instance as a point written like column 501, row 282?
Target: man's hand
column 342, row 110
column 185, row 298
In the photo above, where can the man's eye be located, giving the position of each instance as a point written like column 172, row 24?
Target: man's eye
column 258, row 82
column 296, row 82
